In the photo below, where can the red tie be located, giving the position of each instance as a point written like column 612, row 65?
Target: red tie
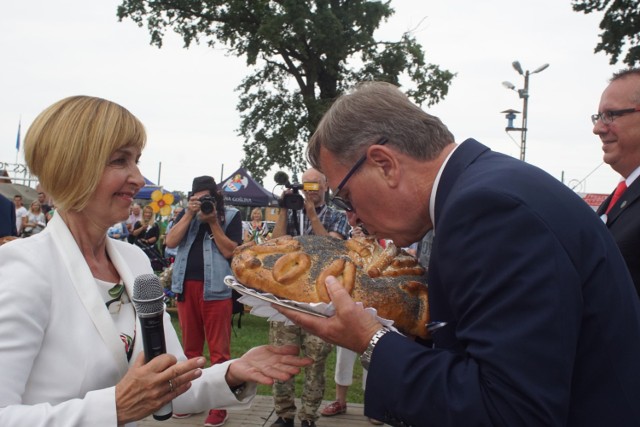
column 616, row 194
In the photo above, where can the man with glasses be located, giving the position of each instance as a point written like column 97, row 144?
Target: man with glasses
column 534, row 318
column 321, row 220
column 618, row 127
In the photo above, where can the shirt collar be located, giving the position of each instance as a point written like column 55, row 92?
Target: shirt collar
column 434, row 190
column 632, row 177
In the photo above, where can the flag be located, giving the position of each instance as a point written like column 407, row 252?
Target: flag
column 18, row 137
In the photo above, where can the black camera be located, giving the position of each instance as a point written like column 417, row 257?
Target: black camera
column 292, row 200
column 207, row 204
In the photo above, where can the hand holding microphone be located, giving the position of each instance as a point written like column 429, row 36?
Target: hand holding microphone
column 148, row 299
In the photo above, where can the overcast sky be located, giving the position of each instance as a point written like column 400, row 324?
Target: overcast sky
column 186, row 99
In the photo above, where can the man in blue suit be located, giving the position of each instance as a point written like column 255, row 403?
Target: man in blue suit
column 7, row 220
column 535, row 320
column 618, row 127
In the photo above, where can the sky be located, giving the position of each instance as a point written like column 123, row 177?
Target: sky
column 187, row 102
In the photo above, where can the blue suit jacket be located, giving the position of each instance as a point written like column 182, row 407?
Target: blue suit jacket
column 7, row 217
column 623, row 222
column 543, row 320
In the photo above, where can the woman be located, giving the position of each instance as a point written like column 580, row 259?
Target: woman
column 146, row 231
column 34, row 221
column 256, row 230
column 70, row 355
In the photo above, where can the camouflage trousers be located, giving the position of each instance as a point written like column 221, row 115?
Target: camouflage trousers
column 314, row 375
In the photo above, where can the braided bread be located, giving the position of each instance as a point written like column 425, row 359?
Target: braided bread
column 295, row 268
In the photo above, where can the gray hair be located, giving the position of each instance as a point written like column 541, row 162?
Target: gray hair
column 635, row 96
column 371, row 111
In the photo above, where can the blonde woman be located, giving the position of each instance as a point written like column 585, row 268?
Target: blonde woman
column 34, row 221
column 70, row 354
column 256, row 230
column 146, row 231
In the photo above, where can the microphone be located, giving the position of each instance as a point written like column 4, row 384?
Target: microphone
column 148, row 299
column 281, row 178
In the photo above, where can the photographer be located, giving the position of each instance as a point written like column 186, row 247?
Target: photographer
column 318, row 219
column 205, row 234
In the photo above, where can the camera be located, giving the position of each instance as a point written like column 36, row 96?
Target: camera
column 207, row 204
column 293, row 200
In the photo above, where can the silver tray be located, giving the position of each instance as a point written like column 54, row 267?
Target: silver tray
column 315, row 309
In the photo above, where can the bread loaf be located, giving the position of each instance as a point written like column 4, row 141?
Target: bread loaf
column 295, row 268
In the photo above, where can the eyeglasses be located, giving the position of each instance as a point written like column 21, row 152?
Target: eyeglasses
column 608, row 117
column 339, row 201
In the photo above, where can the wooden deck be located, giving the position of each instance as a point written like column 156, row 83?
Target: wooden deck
column 262, row 414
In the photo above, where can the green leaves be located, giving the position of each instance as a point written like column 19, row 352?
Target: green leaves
column 620, row 27
column 302, row 55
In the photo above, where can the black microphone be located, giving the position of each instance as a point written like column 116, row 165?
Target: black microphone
column 281, row 178
column 148, row 299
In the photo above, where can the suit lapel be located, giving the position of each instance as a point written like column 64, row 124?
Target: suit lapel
column 630, row 196
column 84, row 284
column 465, row 154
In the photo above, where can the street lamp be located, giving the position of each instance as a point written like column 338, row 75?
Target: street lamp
column 524, row 94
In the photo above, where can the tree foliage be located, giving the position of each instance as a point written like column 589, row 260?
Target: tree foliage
column 302, row 55
column 620, row 27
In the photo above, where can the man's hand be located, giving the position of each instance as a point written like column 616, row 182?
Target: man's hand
column 310, row 208
column 351, row 327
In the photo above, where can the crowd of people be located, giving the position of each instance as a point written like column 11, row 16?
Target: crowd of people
column 535, row 295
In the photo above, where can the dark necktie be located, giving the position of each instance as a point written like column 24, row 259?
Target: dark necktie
column 616, row 195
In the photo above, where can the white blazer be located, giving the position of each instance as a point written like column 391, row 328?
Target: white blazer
column 60, row 353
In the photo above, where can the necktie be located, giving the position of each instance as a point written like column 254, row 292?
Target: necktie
column 616, row 195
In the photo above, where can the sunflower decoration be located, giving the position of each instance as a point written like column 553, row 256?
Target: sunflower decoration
column 161, row 202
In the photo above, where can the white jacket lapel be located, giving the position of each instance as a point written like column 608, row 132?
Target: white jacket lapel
column 84, row 284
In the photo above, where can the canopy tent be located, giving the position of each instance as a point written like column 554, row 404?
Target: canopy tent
column 148, row 189
column 239, row 189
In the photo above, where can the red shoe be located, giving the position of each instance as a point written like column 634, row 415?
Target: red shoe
column 335, row 408
column 180, row 416
column 216, row 418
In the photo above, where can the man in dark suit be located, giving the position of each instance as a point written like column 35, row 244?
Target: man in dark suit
column 618, row 127
column 534, row 318
column 7, row 220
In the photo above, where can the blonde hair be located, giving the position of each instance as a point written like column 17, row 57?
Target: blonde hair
column 152, row 220
column 256, row 210
column 69, row 144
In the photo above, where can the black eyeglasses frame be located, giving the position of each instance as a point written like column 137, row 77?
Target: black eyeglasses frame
column 608, row 117
column 339, row 201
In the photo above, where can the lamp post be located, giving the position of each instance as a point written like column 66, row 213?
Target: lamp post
column 524, row 94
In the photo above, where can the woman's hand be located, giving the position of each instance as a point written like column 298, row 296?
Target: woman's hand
column 148, row 387
column 266, row 363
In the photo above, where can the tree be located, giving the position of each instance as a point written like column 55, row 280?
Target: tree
column 302, row 55
column 620, row 27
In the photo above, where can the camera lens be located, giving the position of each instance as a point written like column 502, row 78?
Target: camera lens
column 206, row 205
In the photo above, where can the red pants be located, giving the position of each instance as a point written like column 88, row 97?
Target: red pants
column 200, row 319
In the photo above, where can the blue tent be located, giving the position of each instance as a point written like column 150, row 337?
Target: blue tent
column 150, row 187
column 239, row 189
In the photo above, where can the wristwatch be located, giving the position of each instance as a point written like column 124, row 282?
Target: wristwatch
column 365, row 358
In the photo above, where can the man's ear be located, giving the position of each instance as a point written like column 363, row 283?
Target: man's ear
column 386, row 163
